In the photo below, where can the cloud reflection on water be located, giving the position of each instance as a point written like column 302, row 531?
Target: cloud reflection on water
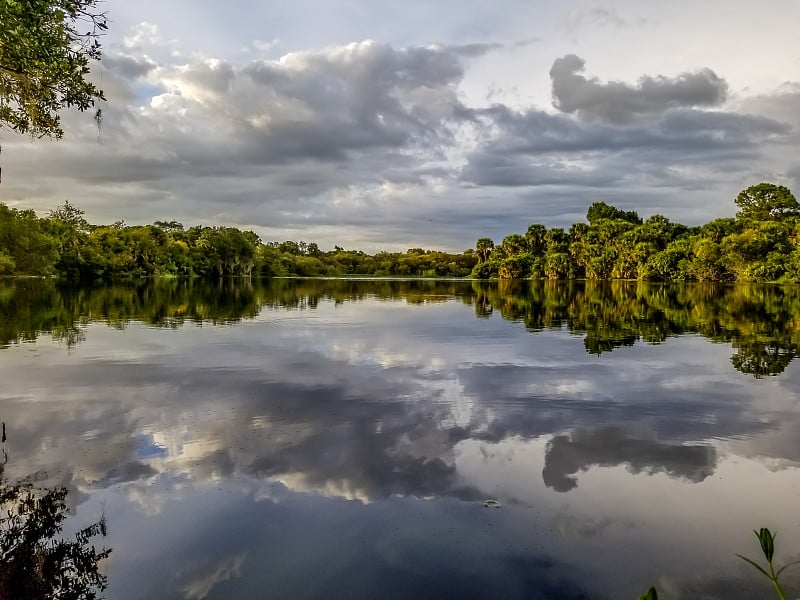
column 289, row 421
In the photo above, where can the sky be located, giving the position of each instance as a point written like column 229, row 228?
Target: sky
column 391, row 125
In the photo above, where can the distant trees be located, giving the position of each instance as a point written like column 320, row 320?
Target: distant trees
column 761, row 244
column 66, row 245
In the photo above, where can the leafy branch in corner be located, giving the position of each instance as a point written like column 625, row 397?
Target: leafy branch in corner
column 36, row 562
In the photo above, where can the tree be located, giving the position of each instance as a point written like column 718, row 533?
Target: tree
column 558, row 265
column 515, row 266
column 70, row 216
column 719, row 228
column 46, row 47
column 659, row 231
column 484, row 247
column 486, row 269
column 766, row 202
column 169, row 226
column 535, row 237
column 600, row 210
column 25, row 247
column 512, row 245
column 70, row 230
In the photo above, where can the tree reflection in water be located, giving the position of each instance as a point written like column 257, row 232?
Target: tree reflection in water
column 761, row 322
column 36, row 561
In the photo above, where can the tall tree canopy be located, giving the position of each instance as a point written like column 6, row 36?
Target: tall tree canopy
column 601, row 210
column 766, row 202
column 46, row 47
column 484, row 246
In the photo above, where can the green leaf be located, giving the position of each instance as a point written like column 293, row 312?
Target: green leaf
column 767, row 541
column 44, row 60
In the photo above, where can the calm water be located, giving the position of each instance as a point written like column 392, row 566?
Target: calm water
column 337, row 439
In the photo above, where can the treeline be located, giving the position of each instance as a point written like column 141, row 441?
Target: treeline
column 760, row 322
column 762, row 243
column 64, row 244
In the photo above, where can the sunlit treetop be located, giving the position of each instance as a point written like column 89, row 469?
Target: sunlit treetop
column 46, row 48
column 767, row 202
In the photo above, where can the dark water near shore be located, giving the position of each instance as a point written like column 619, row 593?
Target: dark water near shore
column 337, row 439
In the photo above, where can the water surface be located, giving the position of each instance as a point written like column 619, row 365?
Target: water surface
column 337, row 439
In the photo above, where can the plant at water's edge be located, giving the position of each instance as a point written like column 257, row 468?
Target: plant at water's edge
column 766, row 539
column 650, row 595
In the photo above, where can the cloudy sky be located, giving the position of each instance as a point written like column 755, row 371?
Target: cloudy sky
column 397, row 124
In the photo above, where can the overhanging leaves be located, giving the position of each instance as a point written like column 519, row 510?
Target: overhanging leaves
column 46, row 47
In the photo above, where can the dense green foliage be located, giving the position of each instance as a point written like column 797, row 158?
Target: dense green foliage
column 64, row 244
column 760, row 322
column 46, row 47
column 761, row 244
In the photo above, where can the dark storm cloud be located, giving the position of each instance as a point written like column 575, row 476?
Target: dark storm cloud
column 518, row 171
column 676, row 132
column 619, row 103
column 534, row 149
column 780, row 105
column 611, row 446
column 127, row 67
